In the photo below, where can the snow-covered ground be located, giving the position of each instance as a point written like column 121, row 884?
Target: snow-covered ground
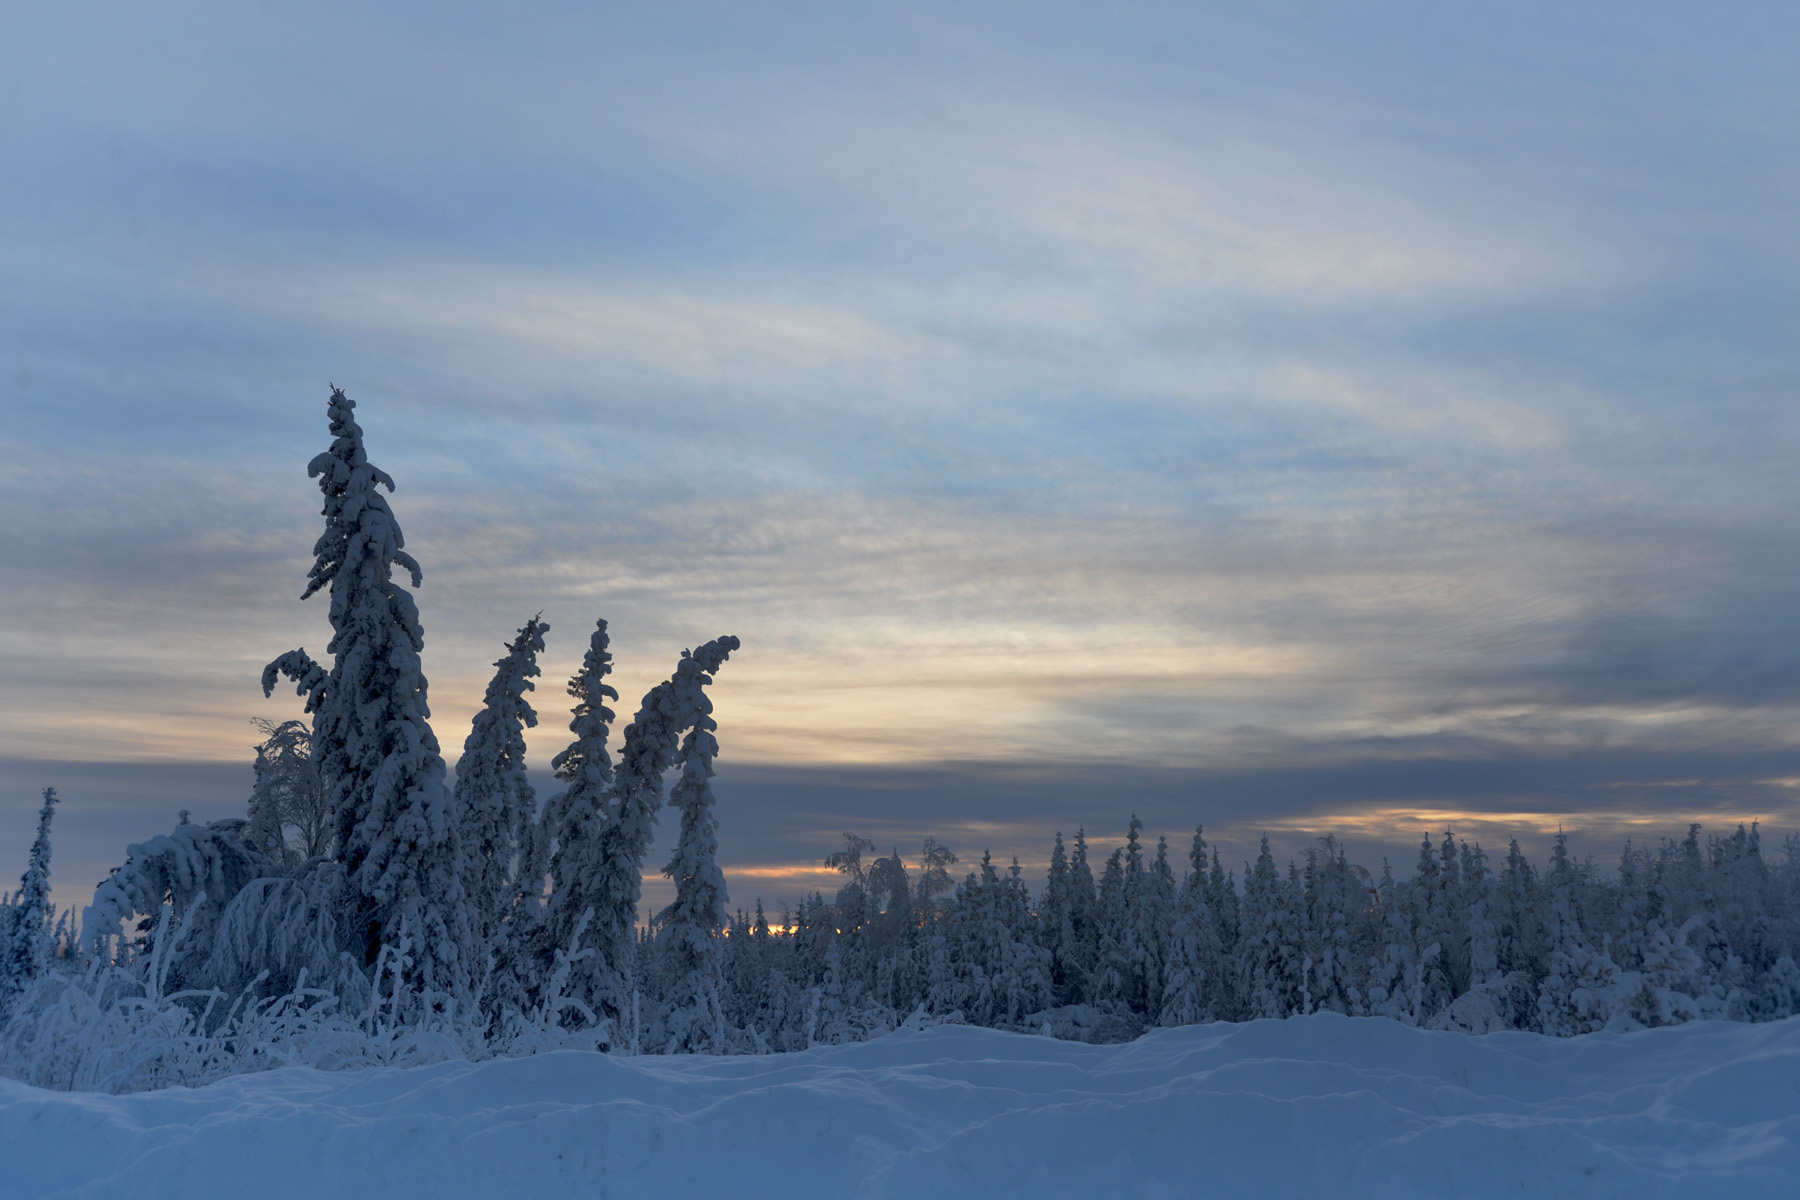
column 1314, row 1106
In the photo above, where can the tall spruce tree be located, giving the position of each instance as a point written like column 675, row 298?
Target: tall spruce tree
column 395, row 829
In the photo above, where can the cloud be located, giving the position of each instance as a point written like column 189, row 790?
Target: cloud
column 1187, row 393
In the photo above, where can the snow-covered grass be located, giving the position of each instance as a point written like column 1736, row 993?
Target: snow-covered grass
column 1323, row 1106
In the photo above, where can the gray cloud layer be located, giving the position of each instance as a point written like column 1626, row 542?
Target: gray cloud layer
column 1373, row 395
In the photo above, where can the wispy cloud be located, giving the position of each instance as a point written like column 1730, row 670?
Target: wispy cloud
column 1187, row 392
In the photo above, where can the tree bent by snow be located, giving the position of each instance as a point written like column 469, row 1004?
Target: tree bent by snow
column 572, row 828
column 692, row 1018
column 496, row 808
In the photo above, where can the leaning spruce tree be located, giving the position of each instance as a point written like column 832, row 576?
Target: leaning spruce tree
column 396, row 834
column 496, row 808
column 693, row 1017
column 652, row 743
column 573, row 823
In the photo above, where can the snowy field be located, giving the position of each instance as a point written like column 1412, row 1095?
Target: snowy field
column 1320, row 1106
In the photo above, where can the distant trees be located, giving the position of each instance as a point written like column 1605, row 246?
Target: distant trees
column 1452, row 947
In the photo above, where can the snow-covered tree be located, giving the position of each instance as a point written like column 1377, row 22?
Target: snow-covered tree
column 1189, row 993
column 1056, row 926
column 692, row 1017
column 496, row 807
column 288, row 795
column 372, row 739
column 1393, row 974
column 1579, row 981
column 1485, row 1006
column 1084, row 918
column 573, row 826
column 1269, row 944
column 27, row 941
column 198, row 874
column 1658, row 990
column 1331, row 905
column 1430, row 904
column 1111, row 973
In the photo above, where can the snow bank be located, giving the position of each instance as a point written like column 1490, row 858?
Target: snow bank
column 1311, row 1106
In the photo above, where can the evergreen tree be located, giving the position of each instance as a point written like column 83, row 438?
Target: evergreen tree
column 1112, row 963
column 1484, row 1007
column 1194, row 952
column 1265, row 947
column 1393, row 970
column 1428, row 899
column 1024, row 979
column 1520, row 937
column 1579, row 981
column 1657, row 992
column 1084, row 921
column 1330, row 906
column 496, row 807
column 1155, row 929
column 572, row 826
column 28, row 940
column 395, row 831
column 1139, row 941
column 1056, row 926
column 692, row 1017
column 1222, row 902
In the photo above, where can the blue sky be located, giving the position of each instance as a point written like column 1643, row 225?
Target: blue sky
column 1371, row 418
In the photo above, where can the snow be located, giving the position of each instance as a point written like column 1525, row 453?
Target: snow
column 1311, row 1106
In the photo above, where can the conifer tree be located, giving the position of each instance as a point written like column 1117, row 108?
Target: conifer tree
column 692, row 1018
column 1156, row 921
column 1428, row 902
column 1393, row 970
column 1057, row 927
column 496, row 807
column 1222, row 902
column 1666, row 967
column 1579, row 982
column 1112, row 963
column 372, row 738
column 1329, row 904
column 573, row 827
column 1193, row 947
column 1084, row 919
column 27, row 946
column 1520, row 935
column 1024, row 985
column 1265, row 949
column 651, row 743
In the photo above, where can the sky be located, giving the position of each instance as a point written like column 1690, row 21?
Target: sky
column 1301, row 418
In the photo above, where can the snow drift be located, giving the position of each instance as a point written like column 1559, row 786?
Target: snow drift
column 1311, row 1106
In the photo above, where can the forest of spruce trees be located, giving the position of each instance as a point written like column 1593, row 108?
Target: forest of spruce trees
column 366, row 910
